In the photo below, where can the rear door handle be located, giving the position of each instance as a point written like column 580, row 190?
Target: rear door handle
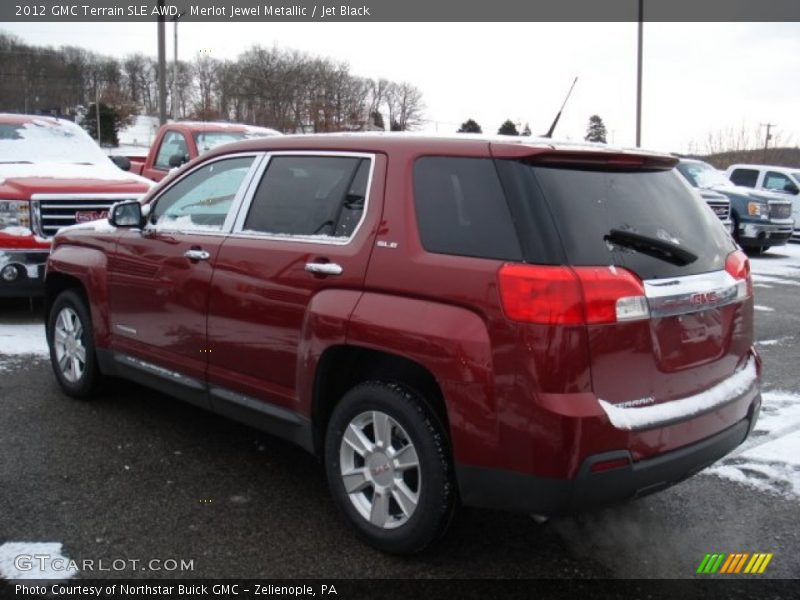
column 324, row 268
column 197, row 254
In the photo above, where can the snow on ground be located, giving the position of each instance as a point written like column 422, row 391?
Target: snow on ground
column 34, row 560
column 27, row 338
column 777, row 263
column 770, row 459
column 763, row 308
column 142, row 132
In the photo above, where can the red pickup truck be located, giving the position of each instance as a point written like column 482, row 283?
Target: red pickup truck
column 180, row 142
column 52, row 174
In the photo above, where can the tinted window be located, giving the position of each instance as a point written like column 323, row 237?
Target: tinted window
column 745, row 177
column 310, row 196
column 461, row 209
column 173, row 143
column 202, row 199
column 587, row 204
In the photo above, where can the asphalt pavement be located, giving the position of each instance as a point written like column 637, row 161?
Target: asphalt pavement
column 135, row 475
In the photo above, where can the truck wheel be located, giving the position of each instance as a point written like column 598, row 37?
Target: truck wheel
column 388, row 467
column 72, row 353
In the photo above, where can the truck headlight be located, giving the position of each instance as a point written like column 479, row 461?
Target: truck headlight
column 14, row 213
column 757, row 209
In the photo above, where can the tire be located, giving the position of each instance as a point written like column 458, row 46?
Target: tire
column 71, row 341
column 396, row 507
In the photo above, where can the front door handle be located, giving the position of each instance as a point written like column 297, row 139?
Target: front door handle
column 324, row 268
column 197, row 254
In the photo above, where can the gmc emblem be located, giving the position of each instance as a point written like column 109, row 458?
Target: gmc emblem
column 84, row 216
column 704, row 298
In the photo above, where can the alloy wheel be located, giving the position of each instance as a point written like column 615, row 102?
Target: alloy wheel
column 380, row 469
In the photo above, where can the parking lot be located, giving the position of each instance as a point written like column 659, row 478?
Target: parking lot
column 137, row 476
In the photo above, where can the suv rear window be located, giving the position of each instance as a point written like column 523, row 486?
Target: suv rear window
column 588, row 206
column 461, row 208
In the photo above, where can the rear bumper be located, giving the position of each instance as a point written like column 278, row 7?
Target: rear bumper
column 22, row 272
column 508, row 490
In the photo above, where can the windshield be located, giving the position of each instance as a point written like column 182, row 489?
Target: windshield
column 43, row 140
column 702, row 175
column 208, row 140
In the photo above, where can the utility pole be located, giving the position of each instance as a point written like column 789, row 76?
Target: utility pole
column 639, row 77
column 767, row 138
column 174, row 110
column 162, row 66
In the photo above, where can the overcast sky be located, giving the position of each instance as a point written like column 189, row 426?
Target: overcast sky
column 699, row 78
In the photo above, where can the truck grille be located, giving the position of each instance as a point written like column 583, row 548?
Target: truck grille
column 721, row 208
column 780, row 210
column 52, row 213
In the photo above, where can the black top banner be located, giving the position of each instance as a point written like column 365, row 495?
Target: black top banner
column 106, row 11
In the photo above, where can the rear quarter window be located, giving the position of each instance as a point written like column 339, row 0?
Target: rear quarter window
column 462, row 210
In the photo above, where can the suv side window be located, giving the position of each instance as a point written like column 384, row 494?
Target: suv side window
column 462, row 210
column 777, row 181
column 319, row 196
column 203, row 198
column 745, row 177
column 173, row 143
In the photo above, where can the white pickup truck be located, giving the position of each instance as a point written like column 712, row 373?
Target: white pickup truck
column 781, row 180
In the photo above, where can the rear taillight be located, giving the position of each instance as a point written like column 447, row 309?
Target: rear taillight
column 738, row 266
column 571, row 295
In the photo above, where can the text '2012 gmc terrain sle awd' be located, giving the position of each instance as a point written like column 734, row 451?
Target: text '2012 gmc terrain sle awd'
column 505, row 324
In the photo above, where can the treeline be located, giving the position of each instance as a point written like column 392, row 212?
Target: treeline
column 284, row 89
column 781, row 157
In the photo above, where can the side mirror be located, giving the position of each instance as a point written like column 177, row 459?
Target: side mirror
column 126, row 214
column 791, row 188
column 123, row 162
column 176, row 160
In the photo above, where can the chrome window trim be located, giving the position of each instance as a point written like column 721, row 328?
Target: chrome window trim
column 258, row 157
column 238, row 232
column 690, row 294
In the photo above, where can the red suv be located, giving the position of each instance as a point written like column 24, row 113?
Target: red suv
column 505, row 324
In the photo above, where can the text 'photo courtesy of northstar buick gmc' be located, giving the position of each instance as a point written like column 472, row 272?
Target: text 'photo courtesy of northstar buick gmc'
column 510, row 324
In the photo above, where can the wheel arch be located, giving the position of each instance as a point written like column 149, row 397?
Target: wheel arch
column 342, row 367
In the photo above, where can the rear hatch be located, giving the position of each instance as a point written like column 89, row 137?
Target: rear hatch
column 666, row 293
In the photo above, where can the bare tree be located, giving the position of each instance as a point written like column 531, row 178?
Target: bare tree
column 404, row 102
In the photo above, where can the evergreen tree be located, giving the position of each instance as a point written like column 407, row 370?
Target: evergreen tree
column 526, row 131
column 110, row 123
column 377, row 119
column 596, row 132
column 508, row 128
column 469, row 126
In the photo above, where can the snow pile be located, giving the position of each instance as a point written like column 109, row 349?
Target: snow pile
column 770, row 459
column 141, row 133
column 722, row 393
column 23, row 339
column 34, row 560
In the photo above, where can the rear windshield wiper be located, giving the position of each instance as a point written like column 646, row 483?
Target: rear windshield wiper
column 655, row 247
